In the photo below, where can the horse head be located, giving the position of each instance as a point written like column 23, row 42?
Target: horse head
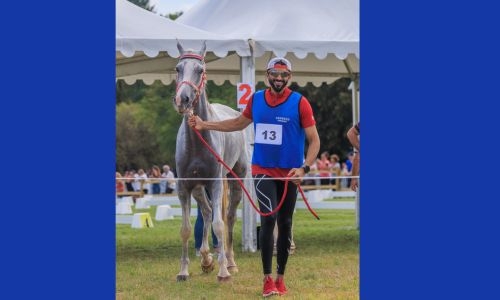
column 191, row 79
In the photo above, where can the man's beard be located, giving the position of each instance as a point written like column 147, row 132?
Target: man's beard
column 281, row 85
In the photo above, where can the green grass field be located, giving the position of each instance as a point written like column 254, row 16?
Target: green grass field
column 325, row 264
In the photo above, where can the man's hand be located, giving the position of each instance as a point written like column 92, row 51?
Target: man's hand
column 355, row 172
column 196, row 122
column 296, row 175
column 354, row 184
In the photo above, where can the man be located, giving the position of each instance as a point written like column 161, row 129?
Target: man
column 353, row 137
column 169, row 183
column 283, row 120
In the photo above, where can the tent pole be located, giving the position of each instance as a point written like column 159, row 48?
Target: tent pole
column 356, row 94
column 249, row 216
column 354, row 87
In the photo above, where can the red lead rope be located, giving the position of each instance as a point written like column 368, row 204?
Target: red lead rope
column 219, row 159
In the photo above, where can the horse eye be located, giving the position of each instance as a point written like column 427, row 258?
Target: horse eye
column 177, row 69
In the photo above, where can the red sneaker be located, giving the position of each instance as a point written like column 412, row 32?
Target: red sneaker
column 280, row 286
column 269, row 287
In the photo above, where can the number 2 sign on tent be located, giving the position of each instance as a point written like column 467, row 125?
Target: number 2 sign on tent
column 245, row 90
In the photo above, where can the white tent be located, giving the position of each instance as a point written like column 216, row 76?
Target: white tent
column 146, row 44
column 321, row 40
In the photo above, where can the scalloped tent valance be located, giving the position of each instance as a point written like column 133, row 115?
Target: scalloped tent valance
column 146, row 44
column 140, row 30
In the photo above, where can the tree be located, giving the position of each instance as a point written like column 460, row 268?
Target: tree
column 144, row 4
column 175, row 15
column 332, row 107
column 136, row 144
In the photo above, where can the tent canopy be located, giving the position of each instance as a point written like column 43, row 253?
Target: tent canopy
column 146, row 44
column 320, row 38
column 297, row 26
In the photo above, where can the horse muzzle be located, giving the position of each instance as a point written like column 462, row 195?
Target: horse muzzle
column 182, row 107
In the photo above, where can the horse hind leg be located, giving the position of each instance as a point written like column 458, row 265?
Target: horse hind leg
column 235, row 198
column 218, row 226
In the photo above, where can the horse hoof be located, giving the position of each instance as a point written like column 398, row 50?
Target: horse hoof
column 232, row 269
column 208, row 268
column 182, row 278
column 224, row 279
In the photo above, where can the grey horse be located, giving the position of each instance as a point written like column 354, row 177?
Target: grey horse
column 198, row 170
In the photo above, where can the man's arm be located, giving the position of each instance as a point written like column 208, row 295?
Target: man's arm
column 312, row 137
column 314, row 145
column 355, row 172
column 235, row 124
column 352, row 136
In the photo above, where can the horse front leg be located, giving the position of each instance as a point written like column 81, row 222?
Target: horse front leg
column 185, row 200
column 218, row 227
column 207, row 261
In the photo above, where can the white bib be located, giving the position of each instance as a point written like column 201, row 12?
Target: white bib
column 268, row 134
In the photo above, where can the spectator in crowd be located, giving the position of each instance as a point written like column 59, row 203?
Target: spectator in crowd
column 136, row 183
column 353, row 137
column 141, row 181
column 129, row 179
column 155, row 179
column 323, row 164
column 170, row 183
column 335, row 168
column 348, row 163
column 344, row 172
column 163, row 182
column 335, row 162
column 120, row 184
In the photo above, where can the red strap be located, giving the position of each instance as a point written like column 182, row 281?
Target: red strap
column 190, row 55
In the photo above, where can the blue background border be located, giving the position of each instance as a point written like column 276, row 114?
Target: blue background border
column 58, row 141
column 429, row 226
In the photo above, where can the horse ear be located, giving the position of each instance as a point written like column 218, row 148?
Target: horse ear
column 179, row 46
column 203, row 50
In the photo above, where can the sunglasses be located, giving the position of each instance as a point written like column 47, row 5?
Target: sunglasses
column 276, row 73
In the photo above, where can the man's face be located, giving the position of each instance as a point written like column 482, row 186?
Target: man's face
column 278, row 79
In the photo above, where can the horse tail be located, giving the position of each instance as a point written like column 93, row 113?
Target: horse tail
column 225, row 200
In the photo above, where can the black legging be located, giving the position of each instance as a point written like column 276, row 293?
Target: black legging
column 269, row 193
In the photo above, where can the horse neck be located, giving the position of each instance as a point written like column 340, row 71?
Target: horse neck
column 203, row 109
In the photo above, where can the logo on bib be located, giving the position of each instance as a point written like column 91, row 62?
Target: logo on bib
column 283, row 119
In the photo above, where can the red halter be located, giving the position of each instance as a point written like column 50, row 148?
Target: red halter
column 196, row 88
